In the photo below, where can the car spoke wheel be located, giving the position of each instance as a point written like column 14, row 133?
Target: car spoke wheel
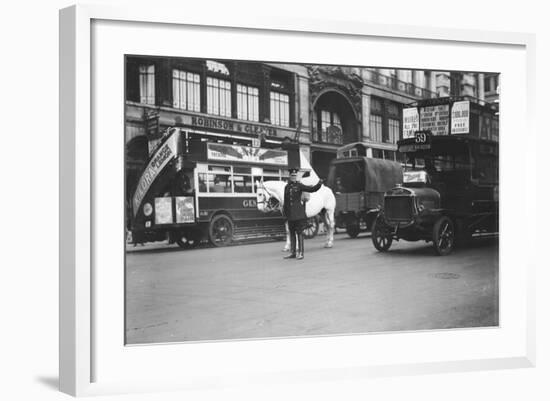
column 221, row 230
column 381, row 235
column 443, row 236
column 312, row 228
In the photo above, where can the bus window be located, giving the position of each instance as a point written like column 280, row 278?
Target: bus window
column 242, row 170
column 219, row 183
column 202, row 182
column 242, row 183
column 485, row 169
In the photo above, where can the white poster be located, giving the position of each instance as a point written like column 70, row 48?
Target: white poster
column 410, row 122
column 460, row 118
column 435, row 119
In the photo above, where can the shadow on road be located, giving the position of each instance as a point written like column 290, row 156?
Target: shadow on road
column 167, row 248
column 427, row 248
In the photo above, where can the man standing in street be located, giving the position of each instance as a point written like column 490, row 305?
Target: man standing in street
column 295, row 212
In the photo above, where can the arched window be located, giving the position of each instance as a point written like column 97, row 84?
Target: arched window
column 331, row 127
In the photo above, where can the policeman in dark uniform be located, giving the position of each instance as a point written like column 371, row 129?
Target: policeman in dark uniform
column 295, row 212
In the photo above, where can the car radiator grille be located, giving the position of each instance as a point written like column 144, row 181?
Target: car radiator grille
column 398, row 208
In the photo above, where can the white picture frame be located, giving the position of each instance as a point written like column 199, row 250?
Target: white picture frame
column 80, row 343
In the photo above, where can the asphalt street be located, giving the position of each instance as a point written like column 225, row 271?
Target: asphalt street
column 249, row 291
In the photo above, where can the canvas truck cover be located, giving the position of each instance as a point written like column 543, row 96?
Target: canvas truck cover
column 382, row 175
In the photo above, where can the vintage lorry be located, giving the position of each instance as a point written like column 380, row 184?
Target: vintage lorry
column 359, row 183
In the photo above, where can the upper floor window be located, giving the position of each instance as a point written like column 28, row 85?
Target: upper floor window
column 393, row 130
column 331, row 127
column 280, row 109
column 247, row 103
column 186, row 90
column 218, row 96
column 147, row 84
column 375, row 127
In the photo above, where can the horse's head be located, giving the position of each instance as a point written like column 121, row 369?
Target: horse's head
column 266, row 199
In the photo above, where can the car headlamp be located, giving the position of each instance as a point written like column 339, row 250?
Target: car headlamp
column 147, row 209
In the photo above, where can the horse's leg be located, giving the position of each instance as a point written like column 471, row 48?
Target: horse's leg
column 329, row 223
column 287, row 244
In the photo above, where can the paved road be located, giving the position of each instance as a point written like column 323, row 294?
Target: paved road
column 249, row 291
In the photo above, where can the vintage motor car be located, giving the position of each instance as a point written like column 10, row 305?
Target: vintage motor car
column 449, row 193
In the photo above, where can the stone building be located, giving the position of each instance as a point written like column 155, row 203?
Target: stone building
column 266, row 104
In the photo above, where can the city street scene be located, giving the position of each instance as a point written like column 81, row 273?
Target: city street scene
column 268, row 200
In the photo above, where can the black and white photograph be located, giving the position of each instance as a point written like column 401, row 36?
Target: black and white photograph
column 272, row 200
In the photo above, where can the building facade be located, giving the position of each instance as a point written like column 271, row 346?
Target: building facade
column 267, row 104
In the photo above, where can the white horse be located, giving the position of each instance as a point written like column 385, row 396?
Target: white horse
column 271, row 194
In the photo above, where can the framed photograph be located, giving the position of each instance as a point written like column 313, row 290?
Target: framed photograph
column 282, row 200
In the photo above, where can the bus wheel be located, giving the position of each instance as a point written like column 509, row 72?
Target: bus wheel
column 381, row 235
column 187, row 239
column 443, row 236
column 220, row 231
column 312, row 227
column 353, row 229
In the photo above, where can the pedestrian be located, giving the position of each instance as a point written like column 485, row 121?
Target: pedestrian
column 295, row 212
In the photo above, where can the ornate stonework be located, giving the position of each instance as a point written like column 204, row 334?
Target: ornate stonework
column 343, row 79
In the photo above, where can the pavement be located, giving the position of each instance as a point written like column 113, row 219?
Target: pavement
column 249, row 291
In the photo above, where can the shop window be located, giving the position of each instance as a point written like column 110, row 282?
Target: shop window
column 186, row 90
column 280, row 109
column 247, row 103
column 218, row 94
column 389, row 155
column 378, row 153
column 147, row 84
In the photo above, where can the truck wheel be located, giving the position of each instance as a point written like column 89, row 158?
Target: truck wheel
column 443, row 236
column 312, row 227
column 381, row 235
column 353, row 229
column 220, row 231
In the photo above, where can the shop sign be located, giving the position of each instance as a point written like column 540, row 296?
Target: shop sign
column 152, row 123
column 234, row 126
column 460, row 118
column 435, row 119
column 238, row 153
column 410, row 122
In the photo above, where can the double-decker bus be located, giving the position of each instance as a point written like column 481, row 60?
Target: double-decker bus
column 193, row 190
